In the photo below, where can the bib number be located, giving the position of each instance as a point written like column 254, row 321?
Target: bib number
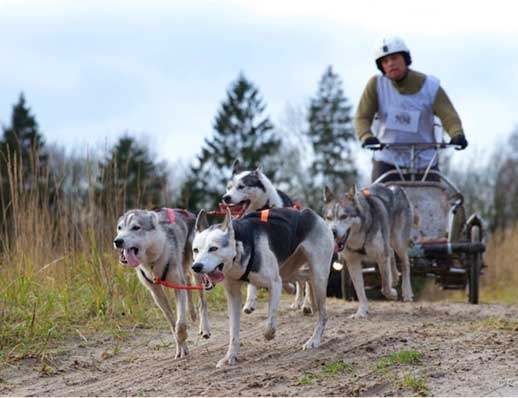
column 403, row 120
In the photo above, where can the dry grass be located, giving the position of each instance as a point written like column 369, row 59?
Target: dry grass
column 60, row 275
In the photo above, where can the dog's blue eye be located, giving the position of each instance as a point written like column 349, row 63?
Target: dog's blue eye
column 195, row 251
column 213, row 249
column 240, row 186
column 135, row 228
column 343, row 217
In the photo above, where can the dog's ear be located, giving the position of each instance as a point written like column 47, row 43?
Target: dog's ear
column 258, row 168
column 236, row 167
column 227, row 222
column 352, row 192
column 154, row 219
column 328, row 195
column 201, row 221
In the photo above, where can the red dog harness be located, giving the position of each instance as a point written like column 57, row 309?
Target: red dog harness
column 160, row 281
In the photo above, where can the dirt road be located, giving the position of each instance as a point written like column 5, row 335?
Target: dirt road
column 417, row 348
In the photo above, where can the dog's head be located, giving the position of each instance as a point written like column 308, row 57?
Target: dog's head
column 246, row 190
column 341, row 215
column 214, row 248
column 139, row 237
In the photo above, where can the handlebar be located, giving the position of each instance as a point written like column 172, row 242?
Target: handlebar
column 415, row 145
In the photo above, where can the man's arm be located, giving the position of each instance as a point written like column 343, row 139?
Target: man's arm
column 367, row 108
column 445, row 111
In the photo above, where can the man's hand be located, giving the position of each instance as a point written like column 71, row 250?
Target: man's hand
column 459, row 141
column 370, row 141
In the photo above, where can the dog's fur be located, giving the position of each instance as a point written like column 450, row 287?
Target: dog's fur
column 264, row 253
column 160, row 247
column 252, row 190
column 370, row 225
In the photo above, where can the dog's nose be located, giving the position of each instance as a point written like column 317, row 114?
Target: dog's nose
column 197, row 267
column 227, row 199
column 118, row 243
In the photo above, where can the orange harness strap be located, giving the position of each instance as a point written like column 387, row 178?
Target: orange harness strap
column 265, row 214
column 173, row 286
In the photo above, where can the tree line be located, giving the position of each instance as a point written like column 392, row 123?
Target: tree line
column 316, row 149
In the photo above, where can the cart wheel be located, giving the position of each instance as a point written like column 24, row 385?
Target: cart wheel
column 474, row 268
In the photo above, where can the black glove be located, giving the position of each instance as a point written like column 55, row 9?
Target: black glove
column 459, row 141
column 370, row 141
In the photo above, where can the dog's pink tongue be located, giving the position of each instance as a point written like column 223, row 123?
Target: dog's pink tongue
column 131, row 258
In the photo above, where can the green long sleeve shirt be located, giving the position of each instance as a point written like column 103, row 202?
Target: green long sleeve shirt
column 411, row 84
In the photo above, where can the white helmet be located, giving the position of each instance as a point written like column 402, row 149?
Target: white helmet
column 391, row 45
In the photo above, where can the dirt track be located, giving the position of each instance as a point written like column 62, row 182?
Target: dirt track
column 464, row 354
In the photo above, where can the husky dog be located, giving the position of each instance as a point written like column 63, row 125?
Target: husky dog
column 371, row 225
column 249, row 191
column 158, row 245
column 263, row 248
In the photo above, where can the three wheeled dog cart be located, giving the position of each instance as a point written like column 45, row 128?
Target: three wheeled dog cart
column 446, row 245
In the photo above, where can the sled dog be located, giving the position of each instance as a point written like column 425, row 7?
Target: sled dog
column 158, row 245
column 370, row 225
column 263, row 248
column 252, row 190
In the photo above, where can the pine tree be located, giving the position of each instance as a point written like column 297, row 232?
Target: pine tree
column 128, row 179
column 331, row 132
column 241, row 131
column 22, row 146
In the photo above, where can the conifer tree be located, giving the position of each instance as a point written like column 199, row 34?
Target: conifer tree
column 331, row 133
column 241, row 131
column 128, row 178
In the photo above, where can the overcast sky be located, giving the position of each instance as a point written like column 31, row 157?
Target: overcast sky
column 92, row 70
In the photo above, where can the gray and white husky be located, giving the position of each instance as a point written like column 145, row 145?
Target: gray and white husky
column 264, row 248
column 158, row 245
column 252, row 190
column 370, row 225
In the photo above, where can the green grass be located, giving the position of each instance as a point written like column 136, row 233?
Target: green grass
column 331, row 369
column 79, row 295
column 336, row 368
column 500, row 324
column 418, row 384
column 408, row 380
column 404, row 357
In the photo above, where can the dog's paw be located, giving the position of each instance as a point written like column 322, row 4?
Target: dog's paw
column 269, row 333
column 307, row 310
column 310, row 344
column 408, row 299
column 181, row 351
column 227, row 360
column 359, row 314
column 248, row 310
column 390, row 293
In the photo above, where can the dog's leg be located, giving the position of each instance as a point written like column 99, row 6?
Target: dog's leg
column 160, row 298
column 297, row 301
column 233, row 292
column 275, row 298
column 395, row 272
column 181, row 322
column 307, row 306
column 406, row 285
column 318, row 287
column 203, row 309
column 384, row 265
column 251, row 299
column 354, row 266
